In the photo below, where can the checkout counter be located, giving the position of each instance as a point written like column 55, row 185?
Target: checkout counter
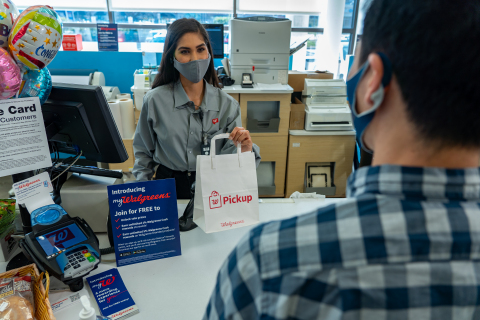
column 180, row 287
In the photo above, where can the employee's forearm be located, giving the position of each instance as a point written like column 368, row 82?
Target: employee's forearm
column 143, row 167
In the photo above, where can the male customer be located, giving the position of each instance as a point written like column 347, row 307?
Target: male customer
column 406, row 245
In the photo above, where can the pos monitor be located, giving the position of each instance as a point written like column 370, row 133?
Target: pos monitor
column 78, row 118
column 215, row 33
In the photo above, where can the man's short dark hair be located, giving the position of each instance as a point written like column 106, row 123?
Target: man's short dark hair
column 434, row 47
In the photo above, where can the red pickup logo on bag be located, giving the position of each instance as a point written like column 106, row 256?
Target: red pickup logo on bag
column 237, row 199
column 215, row 200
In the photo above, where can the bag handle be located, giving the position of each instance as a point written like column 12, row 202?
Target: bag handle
column 212, row 149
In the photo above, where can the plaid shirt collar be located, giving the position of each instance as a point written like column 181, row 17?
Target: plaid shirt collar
column 411, row 183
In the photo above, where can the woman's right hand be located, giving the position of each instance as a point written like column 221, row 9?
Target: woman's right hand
column 242, row 136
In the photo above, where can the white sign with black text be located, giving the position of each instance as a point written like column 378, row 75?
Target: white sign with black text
column 23, row 141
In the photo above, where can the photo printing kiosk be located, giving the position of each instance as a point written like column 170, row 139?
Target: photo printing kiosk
column 78, row 122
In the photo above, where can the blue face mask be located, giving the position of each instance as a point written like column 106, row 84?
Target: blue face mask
column 362, row 120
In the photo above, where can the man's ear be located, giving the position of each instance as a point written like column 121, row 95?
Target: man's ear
column 374, row 78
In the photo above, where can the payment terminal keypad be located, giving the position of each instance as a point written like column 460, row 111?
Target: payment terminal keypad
column 80, row 260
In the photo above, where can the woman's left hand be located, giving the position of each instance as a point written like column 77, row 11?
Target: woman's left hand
column 242, row 136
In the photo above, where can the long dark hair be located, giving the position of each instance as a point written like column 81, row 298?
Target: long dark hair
column 167, row 74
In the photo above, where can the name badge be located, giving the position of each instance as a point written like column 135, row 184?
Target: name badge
column 205, row 148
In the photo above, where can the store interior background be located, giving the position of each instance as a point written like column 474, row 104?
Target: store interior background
column 142, row 29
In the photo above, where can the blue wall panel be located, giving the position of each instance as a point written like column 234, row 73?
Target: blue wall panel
column 118, row 67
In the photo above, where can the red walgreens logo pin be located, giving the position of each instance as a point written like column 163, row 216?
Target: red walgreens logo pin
column 215, row 121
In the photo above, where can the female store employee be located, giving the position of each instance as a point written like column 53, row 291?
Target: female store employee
column 185, row 109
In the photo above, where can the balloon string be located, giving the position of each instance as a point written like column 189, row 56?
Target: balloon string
column 22, row 72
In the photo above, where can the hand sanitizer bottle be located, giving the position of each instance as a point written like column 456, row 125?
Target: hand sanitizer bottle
column 88, row 313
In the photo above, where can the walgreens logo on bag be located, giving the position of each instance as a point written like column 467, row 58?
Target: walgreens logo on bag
column 216, row 200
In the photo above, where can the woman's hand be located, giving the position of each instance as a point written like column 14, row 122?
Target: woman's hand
column 242, row 136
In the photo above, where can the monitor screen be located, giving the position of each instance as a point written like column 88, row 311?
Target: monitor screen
column 215, row 33
column 78, row 118
column 61, row 239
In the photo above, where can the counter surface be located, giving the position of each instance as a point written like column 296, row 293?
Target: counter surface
column 180, row 287
column 259, row 88
column 321, row 133
column 236, row 88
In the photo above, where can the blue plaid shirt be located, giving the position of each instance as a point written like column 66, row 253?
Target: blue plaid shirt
column 405, row 246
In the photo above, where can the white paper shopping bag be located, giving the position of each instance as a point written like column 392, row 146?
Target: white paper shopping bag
column 226, row 190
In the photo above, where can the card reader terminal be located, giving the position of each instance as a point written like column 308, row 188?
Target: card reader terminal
column 78, row 261
column 66, row 247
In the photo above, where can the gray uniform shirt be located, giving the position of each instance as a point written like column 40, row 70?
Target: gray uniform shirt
column 170, row 132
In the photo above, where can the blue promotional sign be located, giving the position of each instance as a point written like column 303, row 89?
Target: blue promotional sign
column 112, row 296
column 107, row 37
column 144, row 219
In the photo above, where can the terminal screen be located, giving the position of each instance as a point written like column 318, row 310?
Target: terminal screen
column 61, row 239
column 215, row 33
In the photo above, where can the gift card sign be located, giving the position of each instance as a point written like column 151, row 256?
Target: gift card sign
column 144, row 219
column 24, row 144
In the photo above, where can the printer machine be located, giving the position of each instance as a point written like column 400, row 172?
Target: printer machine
column 90, row 77
column 326, row 106
column 263, row 44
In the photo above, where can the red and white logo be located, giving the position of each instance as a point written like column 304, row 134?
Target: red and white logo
column 57, row 238
column 215, row 200
column 215, row 121
column 107, row 282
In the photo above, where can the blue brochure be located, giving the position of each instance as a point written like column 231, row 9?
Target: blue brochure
column 144, row 219
column 111, row 294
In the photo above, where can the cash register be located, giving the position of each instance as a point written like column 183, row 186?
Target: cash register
column 78, row 122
